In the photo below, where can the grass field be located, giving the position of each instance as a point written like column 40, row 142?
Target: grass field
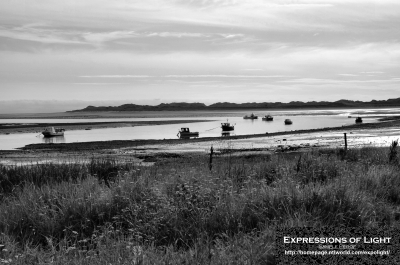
column 183, row 210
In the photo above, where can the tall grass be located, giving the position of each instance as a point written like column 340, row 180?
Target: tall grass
column 13, row 177
column 180, row 211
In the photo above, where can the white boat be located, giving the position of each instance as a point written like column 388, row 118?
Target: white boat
column 51, row 131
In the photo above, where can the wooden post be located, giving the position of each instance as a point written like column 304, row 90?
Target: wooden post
column 211, row 157
column 345, row 142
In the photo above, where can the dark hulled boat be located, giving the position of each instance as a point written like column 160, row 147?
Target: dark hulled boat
column 251, row 117
column 186, row 133
column 288, row 121
column 226, row 126
column 268, row 118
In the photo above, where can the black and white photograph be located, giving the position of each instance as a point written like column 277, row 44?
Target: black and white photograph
column 199, row 132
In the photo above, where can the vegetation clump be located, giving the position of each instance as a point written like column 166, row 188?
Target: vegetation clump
column 180, row 211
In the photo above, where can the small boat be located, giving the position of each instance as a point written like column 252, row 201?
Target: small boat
column 226, row 126
column 288, row 121
column 251, row 117
column 51, row 131
column 186, row 133
column 359, row 120
column 268, row 118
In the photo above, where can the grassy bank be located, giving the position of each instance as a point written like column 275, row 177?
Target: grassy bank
column 181, row 212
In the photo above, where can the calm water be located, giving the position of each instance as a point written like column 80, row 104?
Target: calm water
column 301, row 120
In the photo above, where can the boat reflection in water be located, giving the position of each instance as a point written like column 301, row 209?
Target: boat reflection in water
column 225, row 134
column 54, row 140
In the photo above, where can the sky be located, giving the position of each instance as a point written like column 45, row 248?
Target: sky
column 69, row 53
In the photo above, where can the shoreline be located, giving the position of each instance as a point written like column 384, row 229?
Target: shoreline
column 173, row 113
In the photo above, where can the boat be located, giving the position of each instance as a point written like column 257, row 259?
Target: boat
column 359, row 120
column 186, row 133
column 51, row 131
column 251, row 117
column 226, row 126
column 268, row 118
column 288, row 121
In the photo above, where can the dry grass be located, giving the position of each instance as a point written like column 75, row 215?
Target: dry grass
column 179, row 211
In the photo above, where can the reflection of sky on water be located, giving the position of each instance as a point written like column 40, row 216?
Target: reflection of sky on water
column 211, row 128
column 209, row 115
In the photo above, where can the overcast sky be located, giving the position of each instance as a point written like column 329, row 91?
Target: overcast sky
column 199, row 50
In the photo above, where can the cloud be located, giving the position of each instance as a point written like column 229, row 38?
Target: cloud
column 335, row 81
column 347, row 75
column 115, row 76
column 158, row 46
column 99, row 84
column 226, row 76
column 40, row 34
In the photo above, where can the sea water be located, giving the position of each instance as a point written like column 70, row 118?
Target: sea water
column 302, row 120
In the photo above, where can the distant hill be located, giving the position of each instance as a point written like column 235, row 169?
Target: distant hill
column 343, row 103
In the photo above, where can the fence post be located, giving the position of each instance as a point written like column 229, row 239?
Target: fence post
column 345, row 142
column 211, row 157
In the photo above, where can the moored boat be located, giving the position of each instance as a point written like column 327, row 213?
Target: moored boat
column 226, row 126
column 51, row 131
column 186, row 133
column 359, row 120
column 288, row 121
column 251, row 117
column 268, row 118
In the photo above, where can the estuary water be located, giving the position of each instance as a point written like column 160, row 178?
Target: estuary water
column 304, row 119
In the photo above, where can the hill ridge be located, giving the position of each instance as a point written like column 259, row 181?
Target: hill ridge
column 343, row 103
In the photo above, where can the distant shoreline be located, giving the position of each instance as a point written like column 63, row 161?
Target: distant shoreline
column 220, row 106
column 171, row 113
